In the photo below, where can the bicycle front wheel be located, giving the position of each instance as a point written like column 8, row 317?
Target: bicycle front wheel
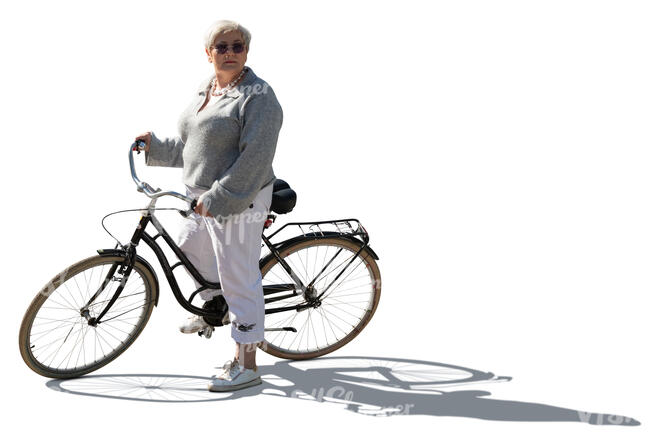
column 347, row 302
column 57, row 341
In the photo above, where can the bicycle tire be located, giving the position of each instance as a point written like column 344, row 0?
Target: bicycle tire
column 295, row 254
column 66, row 304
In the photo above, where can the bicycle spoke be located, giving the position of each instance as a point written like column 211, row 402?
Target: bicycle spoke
column 333, row 323
column 67, row 306
column 340, row 309
column 341, row 280
column 38, row 335
column 329, row 323
column 44, row 347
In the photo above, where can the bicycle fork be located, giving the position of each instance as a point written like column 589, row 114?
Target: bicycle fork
column 125, row 269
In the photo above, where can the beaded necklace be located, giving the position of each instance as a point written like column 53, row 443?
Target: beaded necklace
column 229, row 86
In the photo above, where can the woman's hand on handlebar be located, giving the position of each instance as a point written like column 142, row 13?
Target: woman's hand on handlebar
column 146, row 138
column 202, row 210
column 196, row 206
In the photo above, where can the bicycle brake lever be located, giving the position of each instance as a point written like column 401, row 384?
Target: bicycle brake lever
column 186, row 213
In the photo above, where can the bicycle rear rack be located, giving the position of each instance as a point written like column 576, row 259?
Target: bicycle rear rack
column 328, row 228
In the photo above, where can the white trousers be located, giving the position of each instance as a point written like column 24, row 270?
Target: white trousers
column 227, row 250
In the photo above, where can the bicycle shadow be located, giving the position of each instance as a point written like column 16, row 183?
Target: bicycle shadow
column 365, row 385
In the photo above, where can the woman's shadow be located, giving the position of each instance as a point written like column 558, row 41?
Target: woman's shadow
column 364, row 385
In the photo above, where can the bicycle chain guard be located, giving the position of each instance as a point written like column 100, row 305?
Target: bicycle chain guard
column 219, row 307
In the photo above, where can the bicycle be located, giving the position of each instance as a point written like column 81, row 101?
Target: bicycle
column 92, row 311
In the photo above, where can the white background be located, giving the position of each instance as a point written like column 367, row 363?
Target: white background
column 497, row 152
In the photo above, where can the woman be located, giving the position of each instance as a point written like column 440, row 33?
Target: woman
column 226, row 145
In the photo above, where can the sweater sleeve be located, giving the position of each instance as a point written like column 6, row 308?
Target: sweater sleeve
column 261, row 120
column 167, row 152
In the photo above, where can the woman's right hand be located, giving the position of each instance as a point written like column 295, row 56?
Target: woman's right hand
column 147, row 140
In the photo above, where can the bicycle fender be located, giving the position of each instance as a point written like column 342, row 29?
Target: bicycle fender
column 122, row 253
column 289, row 242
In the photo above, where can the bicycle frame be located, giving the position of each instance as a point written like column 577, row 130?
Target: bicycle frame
column 298, row 287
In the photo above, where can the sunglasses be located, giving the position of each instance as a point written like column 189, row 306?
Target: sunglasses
column 222, row 48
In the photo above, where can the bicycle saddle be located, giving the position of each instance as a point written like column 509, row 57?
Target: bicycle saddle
column 284, row 198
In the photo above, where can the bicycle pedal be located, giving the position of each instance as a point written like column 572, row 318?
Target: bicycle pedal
column 206, row 332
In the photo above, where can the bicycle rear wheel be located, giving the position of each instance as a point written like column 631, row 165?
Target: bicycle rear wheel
column 57, row 341
column 347, row 304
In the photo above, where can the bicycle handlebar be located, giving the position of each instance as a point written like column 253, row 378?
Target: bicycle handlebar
column 147, row 189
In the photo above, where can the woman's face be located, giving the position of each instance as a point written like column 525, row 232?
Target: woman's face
column 229, row 61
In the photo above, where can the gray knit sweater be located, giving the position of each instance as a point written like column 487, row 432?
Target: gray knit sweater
column 227, row 148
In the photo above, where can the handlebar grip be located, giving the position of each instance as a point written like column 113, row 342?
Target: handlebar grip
column 186, row 213
column 139, row 145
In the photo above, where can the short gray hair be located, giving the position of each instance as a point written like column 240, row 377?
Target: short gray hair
column 222, row 26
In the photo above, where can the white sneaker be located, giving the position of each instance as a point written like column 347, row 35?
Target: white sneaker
column 235, row 377
column 193, row 324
